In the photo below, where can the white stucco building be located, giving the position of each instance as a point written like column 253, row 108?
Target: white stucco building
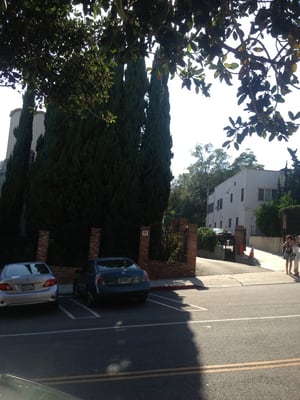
column 234, row 201
column 38, row 128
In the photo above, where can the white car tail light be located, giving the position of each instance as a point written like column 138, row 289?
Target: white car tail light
column 50, row 282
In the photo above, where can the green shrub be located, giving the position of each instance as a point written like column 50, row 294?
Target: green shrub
column 207, row 239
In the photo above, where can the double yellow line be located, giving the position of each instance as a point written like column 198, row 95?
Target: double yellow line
column 158, row 373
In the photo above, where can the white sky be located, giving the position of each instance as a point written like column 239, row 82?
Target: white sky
column 198, row 119
column 194, row 119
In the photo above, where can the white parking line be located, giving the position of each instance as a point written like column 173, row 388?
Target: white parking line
column 72, row 316
column 66, row 312
column 165, row 305
column 184, row 306
column 86, row 308
column 147, row 326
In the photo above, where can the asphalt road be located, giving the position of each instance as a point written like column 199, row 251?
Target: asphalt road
column 226, row 343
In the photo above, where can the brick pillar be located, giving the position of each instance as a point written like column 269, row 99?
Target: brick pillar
column 144, row 246
column 42, row 247
column 183, row 223
column 239, row 239
column 94, row 243
column 192, row 247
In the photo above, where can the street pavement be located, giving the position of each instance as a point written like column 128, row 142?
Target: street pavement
column 262, row 269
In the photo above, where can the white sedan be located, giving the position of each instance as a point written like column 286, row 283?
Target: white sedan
column 25, row 283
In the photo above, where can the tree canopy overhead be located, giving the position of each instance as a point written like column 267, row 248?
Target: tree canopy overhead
column 256, row 42
column 52, row 48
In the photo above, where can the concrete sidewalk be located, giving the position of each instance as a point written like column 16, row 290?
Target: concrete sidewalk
column 272, row 272
column 230, row 280
column 214, row 281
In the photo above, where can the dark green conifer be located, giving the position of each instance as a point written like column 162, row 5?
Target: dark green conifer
column 14, row 187
column 156, row 152
column 90, row 173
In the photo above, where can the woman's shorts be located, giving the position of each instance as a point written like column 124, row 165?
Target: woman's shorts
column 290, row 256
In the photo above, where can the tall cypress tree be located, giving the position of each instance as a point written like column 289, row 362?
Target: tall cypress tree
column 293, row 177
column 44, row 203
column 125, row 207
column 130, row 131
column 156, row 152
column 89, row 172
column 110, row 173
column 13, row 189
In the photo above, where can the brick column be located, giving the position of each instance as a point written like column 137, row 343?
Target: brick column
column 239, row 239
column 94, row 243
column 42, row 247
column 183, row 223
column 144, row 246
column 192, row 247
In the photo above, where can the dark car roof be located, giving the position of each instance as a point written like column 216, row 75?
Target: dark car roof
column 112, row 262
column 112, row 258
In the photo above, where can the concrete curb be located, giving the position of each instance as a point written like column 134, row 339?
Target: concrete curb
column 213, row 281
column 177, row 287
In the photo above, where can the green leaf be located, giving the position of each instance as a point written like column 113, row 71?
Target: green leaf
column 297, row 115
column 226, row 144
column 231, row 121
column 242, row 98
column 231, row 66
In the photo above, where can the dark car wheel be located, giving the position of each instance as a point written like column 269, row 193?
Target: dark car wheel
column 143, row 297
column 90, row 298
column 76, row 291
column 54, row 305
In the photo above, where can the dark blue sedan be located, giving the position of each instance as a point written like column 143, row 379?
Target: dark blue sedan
column 111, row 277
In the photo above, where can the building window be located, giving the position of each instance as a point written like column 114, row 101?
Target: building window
column 236, row 221
column 268, row 194
column 210, row 208
column 229, row 223
column 220, row 204
column 242, row 194
column 260, row 194
column 231, row 197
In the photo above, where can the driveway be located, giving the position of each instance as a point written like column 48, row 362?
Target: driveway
column 261, row 262
column 206, row 266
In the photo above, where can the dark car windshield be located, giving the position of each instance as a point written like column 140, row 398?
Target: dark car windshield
column 116, row 263
column 25, row 269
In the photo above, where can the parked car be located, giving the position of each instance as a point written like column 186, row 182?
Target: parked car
column 25, row 283
column 111, row 277
column 13, row 387
column 224, row 237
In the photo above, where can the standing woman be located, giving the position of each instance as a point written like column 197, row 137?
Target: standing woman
column 288, row 253
column 296, row 250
